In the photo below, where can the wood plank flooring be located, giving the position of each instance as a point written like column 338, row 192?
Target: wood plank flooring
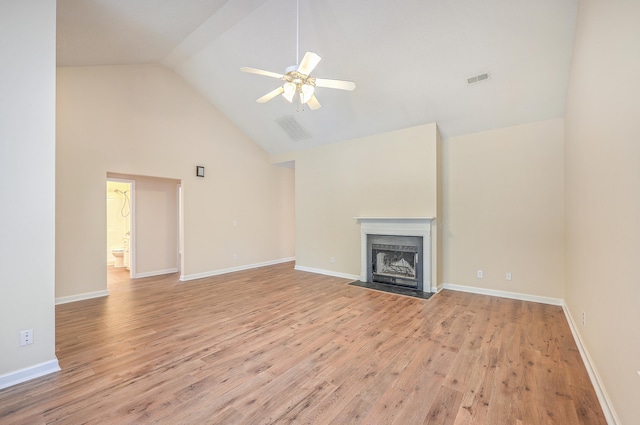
column 279, row 346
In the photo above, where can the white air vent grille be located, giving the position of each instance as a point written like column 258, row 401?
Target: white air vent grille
column 478, row 78
column 293, row 128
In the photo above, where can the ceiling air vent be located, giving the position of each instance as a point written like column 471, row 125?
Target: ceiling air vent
column 478, row 78
column 293, row 128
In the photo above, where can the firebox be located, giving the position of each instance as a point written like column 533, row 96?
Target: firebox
column 395, row 260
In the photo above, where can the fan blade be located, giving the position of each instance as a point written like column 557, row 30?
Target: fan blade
column 309, row 61
column 261, row 72
column 267, row 97
column 335, row 84
column 313, row 103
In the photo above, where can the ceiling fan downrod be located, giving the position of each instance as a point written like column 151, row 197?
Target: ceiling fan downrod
column 297, row 33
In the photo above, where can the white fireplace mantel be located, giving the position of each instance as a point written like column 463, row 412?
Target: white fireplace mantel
column 399, row 226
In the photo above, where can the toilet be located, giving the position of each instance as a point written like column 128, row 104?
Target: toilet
column 118, row 253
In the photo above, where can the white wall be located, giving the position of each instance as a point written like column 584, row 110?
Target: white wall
column 145, row 120
column 27, row 158
column 504, row 209
column 602, row 195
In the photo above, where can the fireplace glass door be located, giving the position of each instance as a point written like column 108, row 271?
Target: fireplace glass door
column 395, row 264
column 395, row 260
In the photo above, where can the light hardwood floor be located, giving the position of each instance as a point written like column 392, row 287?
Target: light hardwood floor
column 274, row 346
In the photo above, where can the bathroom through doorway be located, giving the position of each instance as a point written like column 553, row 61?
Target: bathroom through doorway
column 120, row 231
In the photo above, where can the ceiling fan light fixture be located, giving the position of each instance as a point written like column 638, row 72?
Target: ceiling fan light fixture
column 289, row 91
column 306, row 91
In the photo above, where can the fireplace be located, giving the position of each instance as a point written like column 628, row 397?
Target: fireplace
column 396, row 251
column 395, row 260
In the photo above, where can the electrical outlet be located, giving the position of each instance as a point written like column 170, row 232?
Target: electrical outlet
column 584, row 318
column 234, row 223
column 479, row 274
column 508, row 275
column 332, row 260
column 26, row 337
column 235, row 256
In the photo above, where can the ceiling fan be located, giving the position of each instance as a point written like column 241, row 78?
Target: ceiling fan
column 297, row 78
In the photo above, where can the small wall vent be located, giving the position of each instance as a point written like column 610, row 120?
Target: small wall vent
column 292, row 127
column 478, row 78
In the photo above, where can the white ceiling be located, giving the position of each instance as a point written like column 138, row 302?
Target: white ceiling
column 409, row 58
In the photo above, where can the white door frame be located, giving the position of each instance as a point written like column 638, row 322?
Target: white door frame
column 180, row 231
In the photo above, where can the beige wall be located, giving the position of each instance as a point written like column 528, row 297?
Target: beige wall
column 387, row 175
column 156, row 225
column 145, row 120
column 27, row 148
column 504, row 209
column 602, row 202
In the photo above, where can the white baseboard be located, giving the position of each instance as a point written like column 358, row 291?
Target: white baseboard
column 504, row 294
column 603, row 397
column 80, row 297
column 327, row 272
column 156, row 273
column 29, row 373
column 185, row 278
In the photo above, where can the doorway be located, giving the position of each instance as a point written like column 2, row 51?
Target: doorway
column 120, row 228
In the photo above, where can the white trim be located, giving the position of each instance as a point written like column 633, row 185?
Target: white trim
column 603, row 397
column 29, row 373
column 180, row 212
column 185, row 278
column 401, row 219
column 156, row 273
column 327, row 272
column 81, row 297
column 504, row 294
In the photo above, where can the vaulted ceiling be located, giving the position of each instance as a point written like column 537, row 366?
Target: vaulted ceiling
column 410, row 59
